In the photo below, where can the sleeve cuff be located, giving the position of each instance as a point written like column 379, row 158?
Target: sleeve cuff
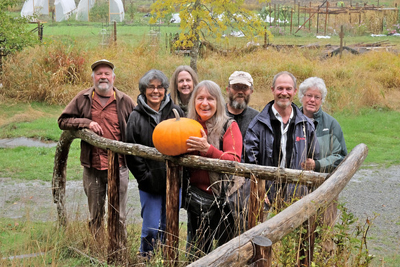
column 317, row 165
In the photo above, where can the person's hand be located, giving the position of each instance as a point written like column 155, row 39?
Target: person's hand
column 96, row 128
column 198, row 143
column 308, row 165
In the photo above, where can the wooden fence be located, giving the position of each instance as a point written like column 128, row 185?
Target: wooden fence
column 241, row 249
column 329, row 14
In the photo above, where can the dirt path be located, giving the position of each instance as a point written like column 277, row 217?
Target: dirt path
column 376, row 191
column 371, row 191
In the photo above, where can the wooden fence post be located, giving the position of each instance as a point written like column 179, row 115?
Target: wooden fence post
column 318, row 19
column 115, row 32
column 291, row 20
column 262, row 252
column 256, row 201
column 265, row 37
column 326, row 16
column 59, row 175
column 341, row 35
column 116, row 244
column 172, row 208
column 309, row 15
column 298, row 14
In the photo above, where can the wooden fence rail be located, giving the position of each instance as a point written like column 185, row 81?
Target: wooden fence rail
column 240, row 249
column 223, row 166
column 310, row 205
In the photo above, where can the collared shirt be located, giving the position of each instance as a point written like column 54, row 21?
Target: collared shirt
column 106, row 116
column 284, row 130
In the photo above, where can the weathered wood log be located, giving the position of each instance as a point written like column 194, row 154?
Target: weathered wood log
column 240, row 249
column 172, row 210
column 59, row 175
column 223, row 166
column 216, row 165
column 116, row 244
column 256, row 201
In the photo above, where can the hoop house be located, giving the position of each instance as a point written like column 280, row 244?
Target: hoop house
column 116, row 10
column 31, row 7
column 82, row 12
column 64, row 9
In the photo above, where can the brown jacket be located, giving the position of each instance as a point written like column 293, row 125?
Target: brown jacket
column 77, row 115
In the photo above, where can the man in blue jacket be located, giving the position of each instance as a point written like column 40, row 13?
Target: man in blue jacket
column 281, row 136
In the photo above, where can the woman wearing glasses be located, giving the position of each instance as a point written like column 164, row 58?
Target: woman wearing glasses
column 312, row 93
column 154, row 105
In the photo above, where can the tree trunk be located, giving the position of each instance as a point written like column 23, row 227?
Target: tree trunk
column 194, row 52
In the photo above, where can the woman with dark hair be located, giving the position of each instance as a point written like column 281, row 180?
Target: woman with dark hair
column 183, row 81
column 154, row 106
column 221, row 139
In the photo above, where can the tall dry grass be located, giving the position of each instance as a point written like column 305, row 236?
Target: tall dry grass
column 54, row 73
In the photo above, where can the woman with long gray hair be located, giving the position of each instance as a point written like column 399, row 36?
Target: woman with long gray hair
column 221, row 139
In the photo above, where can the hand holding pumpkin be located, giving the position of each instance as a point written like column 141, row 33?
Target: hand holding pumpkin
column 198, row 143
column 170, row 136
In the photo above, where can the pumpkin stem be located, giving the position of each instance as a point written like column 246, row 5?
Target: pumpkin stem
column 176, row 114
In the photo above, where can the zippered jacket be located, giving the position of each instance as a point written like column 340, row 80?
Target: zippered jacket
column 78, row 115
column 331, row 142
column 150, row 174
column 259, row 140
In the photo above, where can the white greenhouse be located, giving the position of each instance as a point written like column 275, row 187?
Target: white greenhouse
column 116, row 10
column 64, row 8
column 31, row 7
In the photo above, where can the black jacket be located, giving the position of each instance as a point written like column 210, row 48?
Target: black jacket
column 150, row 174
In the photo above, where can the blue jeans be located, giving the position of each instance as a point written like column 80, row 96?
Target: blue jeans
column 154, row 220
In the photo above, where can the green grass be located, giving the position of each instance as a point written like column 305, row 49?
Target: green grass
column 91, row 32
column 36, row 163
column 377, row 129
column 37, row 121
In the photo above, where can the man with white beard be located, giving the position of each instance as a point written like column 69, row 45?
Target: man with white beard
column 104, row 110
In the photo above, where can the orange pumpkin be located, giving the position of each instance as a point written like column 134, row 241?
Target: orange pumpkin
column 169, row 136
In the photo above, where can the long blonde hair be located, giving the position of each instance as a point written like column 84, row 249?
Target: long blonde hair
column 216, row 123
column 174, row 83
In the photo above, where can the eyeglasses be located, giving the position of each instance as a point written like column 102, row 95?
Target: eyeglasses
column 240, row 87
column 152, row 87
column 316, row 97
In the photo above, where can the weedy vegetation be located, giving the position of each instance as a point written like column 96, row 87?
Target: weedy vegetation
column 37, row 82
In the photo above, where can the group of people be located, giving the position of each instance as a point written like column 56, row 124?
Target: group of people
column 281, row 135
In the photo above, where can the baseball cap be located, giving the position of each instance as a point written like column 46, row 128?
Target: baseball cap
column 102, row 62
column 241, row 77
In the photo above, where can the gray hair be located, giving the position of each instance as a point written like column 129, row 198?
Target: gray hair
column 313, row 82
column 174, row 82
column 215, row 124
column 152, row 74
column 113, row 73
column 282, row 73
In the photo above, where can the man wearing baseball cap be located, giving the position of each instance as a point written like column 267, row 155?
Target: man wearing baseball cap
column 239, row 89
column 104, row 110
